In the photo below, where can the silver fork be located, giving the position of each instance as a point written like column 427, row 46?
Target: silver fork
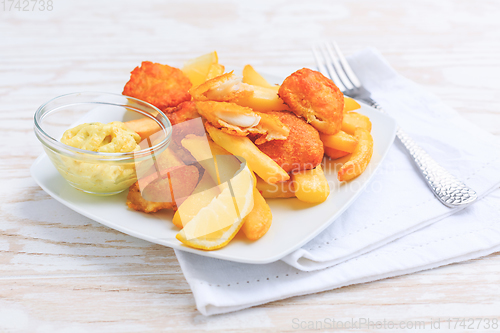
column 448, row 189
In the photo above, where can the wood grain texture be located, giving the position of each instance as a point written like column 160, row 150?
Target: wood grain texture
column 61, row 272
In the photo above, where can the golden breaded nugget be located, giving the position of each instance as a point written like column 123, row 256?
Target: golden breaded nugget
column 161, row 85
column 182, row 112
column 241, row 121
column 311, row 95
column 136, row 202
column 174, row 183
column 301, row 150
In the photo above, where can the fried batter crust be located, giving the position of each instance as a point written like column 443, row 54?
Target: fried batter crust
column 223, row 88
column 269, row 126
column 311, row 95
column 183, row 112
column 181, row 126
column 302, row 150
column 161, row 85
column 135, row 201
column 182, row 179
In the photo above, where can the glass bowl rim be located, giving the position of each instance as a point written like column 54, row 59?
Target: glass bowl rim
column 59, row 147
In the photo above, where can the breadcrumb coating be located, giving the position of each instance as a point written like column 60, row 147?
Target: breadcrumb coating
column 302, row 150
column 161, row 85
column 311, row 95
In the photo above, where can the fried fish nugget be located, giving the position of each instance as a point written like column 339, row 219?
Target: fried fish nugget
column 224, row 88
column 183, row 112
column 177, row 182
column 180, row 117
column 302, row 150
column 161, row 85
column 136, row 202
column 311, row 95
column 241, row 121
column 173, row 185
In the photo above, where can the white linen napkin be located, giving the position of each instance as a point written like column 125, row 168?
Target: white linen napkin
column 398, row 206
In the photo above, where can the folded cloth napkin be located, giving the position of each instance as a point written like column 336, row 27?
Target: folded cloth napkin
column 377, row 236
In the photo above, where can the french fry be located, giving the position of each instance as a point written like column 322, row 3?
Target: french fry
column 334, row 153
column 340, row 141
column 350, row 104
column 251, row 76
column 258, row 221
column 359, row 158
column 145, row 127
column 197, row 146
column 262, row 100
column 197, row 69
column 216, row 149
column 353, row 120
column 258, row 162
column 311, row 185
column 206, row 152
column 278, row 190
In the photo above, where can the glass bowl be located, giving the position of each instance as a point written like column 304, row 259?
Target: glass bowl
column 95, row 172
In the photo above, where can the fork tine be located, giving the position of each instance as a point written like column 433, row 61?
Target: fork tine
column 338, row 68
column 319, row 62
column 324, row 57
column 333, row 72
column 347, row 68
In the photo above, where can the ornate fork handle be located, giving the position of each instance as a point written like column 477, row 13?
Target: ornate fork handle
column 447, row 188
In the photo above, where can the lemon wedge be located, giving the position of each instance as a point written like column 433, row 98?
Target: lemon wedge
column 197, row 69
column 217, row 223
column 203, row 194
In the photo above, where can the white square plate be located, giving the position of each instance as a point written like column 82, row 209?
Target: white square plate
column 294, row 222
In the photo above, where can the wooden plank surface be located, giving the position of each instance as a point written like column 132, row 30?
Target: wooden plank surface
column 61, row 272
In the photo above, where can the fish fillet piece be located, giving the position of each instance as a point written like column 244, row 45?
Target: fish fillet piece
column 180, row 117
column 224, row 88
column 302, row 149
column 182, row 112
column 161, row 85
column 136, row 202
column 242, row 121
column 311, row 95
column 166, row 190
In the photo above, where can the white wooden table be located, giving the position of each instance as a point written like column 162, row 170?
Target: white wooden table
column 61, row 272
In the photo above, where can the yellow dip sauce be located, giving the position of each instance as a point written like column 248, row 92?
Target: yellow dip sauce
column 100, row 177
column 114, row 137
